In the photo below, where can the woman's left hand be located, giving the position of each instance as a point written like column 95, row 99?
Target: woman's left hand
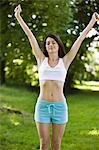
column 95, row 16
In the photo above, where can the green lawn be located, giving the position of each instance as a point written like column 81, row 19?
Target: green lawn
column 18, row 132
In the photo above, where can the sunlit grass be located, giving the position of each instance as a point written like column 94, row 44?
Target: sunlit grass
column 18, row 132
column 94, row 132
column 87, row 85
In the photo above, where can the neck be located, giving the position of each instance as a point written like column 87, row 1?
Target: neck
column 53, row 57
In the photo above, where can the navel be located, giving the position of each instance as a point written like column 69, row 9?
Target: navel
column 51, row 94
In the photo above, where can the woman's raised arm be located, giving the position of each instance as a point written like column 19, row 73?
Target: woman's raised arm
column 34, row 44
column 68, row 58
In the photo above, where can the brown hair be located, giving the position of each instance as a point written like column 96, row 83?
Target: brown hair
column 61, row 51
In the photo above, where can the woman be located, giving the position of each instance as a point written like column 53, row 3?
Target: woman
column 51, row 107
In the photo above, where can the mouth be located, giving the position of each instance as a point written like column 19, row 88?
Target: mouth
column 50, row 47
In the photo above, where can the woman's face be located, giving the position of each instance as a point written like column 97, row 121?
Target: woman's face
column 51, row 45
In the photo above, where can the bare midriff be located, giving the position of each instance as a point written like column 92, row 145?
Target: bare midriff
column 51, row 90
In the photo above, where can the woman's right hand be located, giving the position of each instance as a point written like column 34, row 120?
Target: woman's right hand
column 17, row 10
column 95, row 16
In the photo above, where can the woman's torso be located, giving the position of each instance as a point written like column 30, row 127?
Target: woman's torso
column 51, row 90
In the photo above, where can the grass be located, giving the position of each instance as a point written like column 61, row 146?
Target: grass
column 18, row 132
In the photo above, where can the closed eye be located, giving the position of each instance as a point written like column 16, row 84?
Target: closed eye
column 48, row 43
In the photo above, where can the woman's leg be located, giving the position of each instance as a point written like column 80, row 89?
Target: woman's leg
column 57, row 134
column 44, row 135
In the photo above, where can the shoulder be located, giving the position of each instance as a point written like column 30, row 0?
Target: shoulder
column 65, row 61
column 40, row 60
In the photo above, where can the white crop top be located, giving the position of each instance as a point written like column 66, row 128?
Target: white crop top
column 46, row 72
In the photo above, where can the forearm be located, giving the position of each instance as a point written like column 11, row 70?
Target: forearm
column 23, row 25
column 28, row 32
column 75, row 47
column 86, row 30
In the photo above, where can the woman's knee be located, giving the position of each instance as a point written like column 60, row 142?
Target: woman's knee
column 56, row 144
column 44, row 143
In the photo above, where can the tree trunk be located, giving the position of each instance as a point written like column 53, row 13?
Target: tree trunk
column 2, row 74
column 68, row 84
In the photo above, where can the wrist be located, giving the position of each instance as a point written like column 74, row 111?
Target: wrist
column 17, row 15
column 93, row 21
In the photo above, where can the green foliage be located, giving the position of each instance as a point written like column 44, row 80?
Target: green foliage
column 82, row 12
column 42, row 17
column 65, row 18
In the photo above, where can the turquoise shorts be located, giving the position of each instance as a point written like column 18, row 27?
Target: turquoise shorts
column 51, row 112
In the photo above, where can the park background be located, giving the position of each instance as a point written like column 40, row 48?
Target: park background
column 19, row 73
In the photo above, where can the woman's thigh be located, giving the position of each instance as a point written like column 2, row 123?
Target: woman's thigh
column 43, row 130
column 57, row 132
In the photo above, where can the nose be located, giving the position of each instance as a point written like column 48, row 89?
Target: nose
column 51, row 44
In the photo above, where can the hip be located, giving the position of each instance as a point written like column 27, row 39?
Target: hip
column 61, row 104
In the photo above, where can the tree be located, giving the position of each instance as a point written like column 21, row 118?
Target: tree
column 3, row 38
column 65, row 18
column 82, row 12
column 41, row 20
